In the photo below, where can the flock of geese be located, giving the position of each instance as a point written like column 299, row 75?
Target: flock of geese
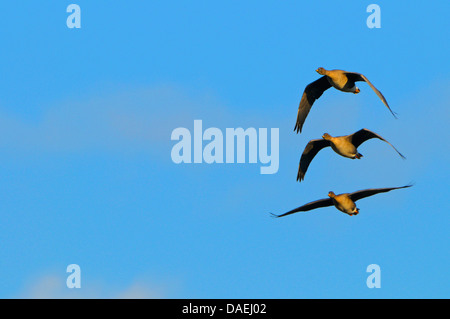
column 346, row 146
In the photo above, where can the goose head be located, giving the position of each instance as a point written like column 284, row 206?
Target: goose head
column 331, row 194
column 321, row 71
column 326, row 136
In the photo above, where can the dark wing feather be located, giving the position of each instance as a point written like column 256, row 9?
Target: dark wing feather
column 369, row 192
column 364, row 134
column 311, row 149
column 355, row 77
column 312, row 92
column 313, row 205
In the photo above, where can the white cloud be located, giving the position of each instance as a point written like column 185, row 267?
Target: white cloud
column 127, row 121
column 52, row 286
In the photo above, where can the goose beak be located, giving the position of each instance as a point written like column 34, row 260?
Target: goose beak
column 357, row 91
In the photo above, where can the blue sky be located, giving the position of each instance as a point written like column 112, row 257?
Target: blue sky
column 87, row 178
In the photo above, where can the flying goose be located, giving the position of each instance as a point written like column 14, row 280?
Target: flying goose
column 343, row 202
column 345, row 146
column 339, row 79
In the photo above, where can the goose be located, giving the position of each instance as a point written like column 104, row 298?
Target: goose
column 343, row 202
column 339, row 79
column 346, row 146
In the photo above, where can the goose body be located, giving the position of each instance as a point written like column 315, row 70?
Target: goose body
column 346, row 146
column 342, row 145
column 339, row 79
column 343, row 202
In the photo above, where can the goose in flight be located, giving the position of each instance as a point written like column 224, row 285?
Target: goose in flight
column 346, row 146
column 343, row 202
column 339, row 79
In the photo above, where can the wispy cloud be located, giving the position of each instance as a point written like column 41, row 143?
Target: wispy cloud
column 52, row 286
column 130, row 120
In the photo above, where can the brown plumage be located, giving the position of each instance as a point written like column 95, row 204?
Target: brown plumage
column 343, row 202
column 346, row 146
column 339, row 79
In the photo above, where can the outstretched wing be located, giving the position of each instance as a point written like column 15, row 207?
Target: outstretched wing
column 369, row 192
column 355, row 77
column 364, row 134
column 313, row 205
column 311, row 149
column 312, row 92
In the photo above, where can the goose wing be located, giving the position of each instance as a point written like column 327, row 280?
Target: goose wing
column 311, row 149
column 312, row 92
column 373, row 191
column 355, row 77
column 363, row 135
column 310, row 206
